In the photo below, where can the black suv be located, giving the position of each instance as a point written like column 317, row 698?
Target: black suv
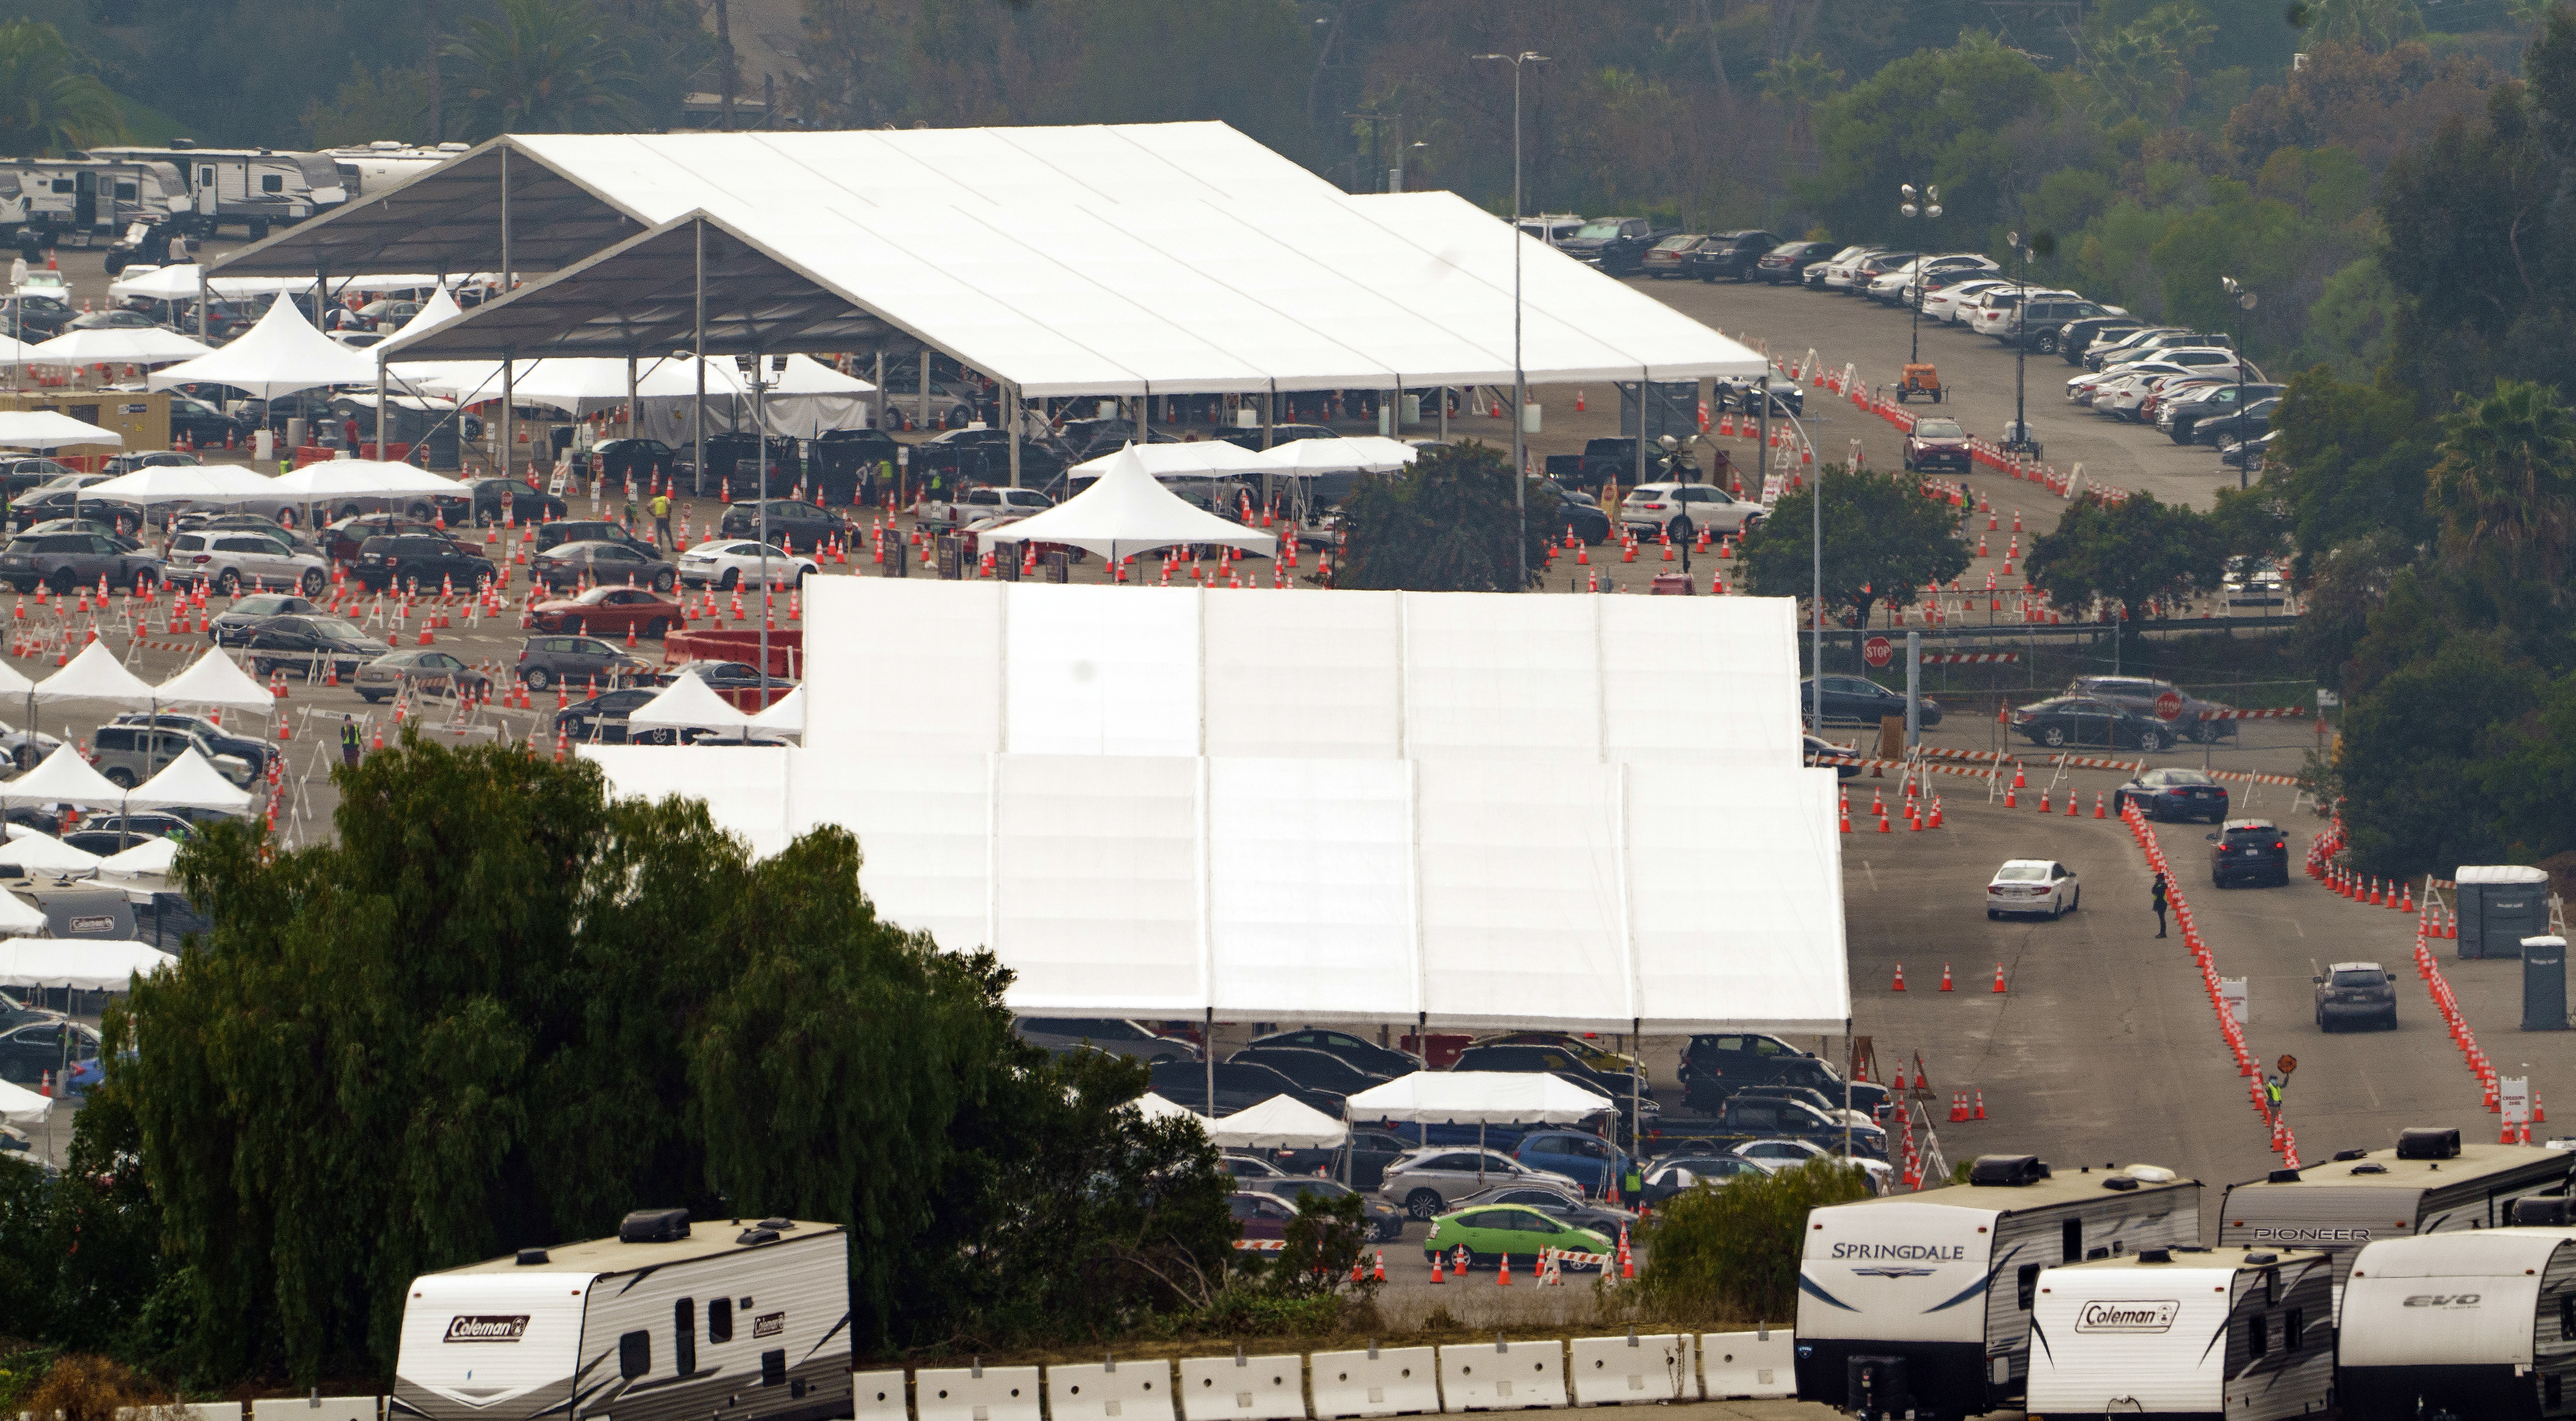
column 796, row 527
column 618, row 459
column 497, row 499
column 1238, row 1086
column 843, row 457
column 1617, row 245
column 1787, row 263
column 2362, row 992
column 2138, row 695
column 1715, row 1066
column 426, row 561
column 1735, row 256
column 2249, row 851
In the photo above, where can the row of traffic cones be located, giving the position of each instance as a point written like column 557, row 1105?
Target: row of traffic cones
column 1999, row 988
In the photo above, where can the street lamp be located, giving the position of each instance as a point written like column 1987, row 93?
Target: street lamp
column 2244, row 302
column 1929, row 207
column 1520, row 379
column 2042, row 244
column 749, row 367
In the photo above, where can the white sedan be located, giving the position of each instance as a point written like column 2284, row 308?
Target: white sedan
column 1776, row 1155
column 2033, row 886
column 737, row 562
column 1950, row 302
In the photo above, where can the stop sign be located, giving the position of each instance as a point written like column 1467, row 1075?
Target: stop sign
column 1877, row 652
column 2168, row 706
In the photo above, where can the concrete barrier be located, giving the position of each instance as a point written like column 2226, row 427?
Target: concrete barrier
column 1614, row 1371
column 976, row 1394
column 1092, row 1391
column 1399, row 1381
column 317, row 1408
column 878, row 1396
column 1243, row 1388
column 1749, row 1364
column 1505, row 1376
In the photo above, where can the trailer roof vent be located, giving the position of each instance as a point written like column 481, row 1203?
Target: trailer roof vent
column 2152, row 1174
column 2428, row 1144
column 2262, row 1258
column 2367, row 1168
column 782, row 1225
column 2155, row 1255
column 2342, row 1155
column 2119, row 1181
column 530, row 1257
column 654, row 1226
column 2282, row 1176
column 2009, row 1170
column 2541, row 1211
column 750, row 1238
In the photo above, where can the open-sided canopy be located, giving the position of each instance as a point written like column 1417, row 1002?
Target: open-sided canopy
column 1126, row 511
column 18, row 917
column 84, row 964
column 30, row 848
column 214, row 680
column 1193, row 459
column 146, row 859
column 50, row 429
column 21, row 1106
column 185, row 483
column 1368, row 452
column 113, row 345
column 351, row 478
column 95, row 675
column 1282, row 1122
column 189, row 782
column 278, row 355
column 688, row 703
column 1478, row 1098
column 1154, row 1107
column 785, row 715
column 63, row 777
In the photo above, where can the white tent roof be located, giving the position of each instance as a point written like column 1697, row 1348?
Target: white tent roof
column 687, row 702
column 13, row 350
column 21, row 1106
column 341, row 478
column 189, row 782
column 13, row 682
column 50, row 429
column 150, row 857
column 1371, row 452
column 1193, row 458
column 90, row 965
column 587, row 384
column 437, row 311
column 1154, row 1107
column 185, row 483
column 62, row 777
column 114, row 345
column 1280, row 1123
column 214, row 680
column 786, row 714
column 34, row 848
column 179, row 283
column 279, row 355
column 1478, row 1097
column 19, row 917
column 95, row 675
column 1126, row 511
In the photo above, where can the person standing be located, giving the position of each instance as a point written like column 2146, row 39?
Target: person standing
column 661, row 507
column 2157, row 896
column 349, row 741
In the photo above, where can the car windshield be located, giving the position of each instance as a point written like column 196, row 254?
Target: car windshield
column 1598, row 229
column 2345, row 978
column 338, row 630
column 2187, row 777
column 2021, row 873
column 1938, row 429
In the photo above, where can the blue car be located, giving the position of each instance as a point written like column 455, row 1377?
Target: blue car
column 1587, row 1159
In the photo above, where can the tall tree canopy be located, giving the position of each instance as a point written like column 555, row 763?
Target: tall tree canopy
column 1444, row 523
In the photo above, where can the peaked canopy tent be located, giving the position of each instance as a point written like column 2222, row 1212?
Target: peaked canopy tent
column 35, row 849
column 1282, row 1122
column 688, row 704
column 279, row 355
column 1478, row 1098
column 63, row 777
column 184, row 483
column 21, row 1106
column 213, row 679
column 189, row 782
column 50, row 429
column 1127, row 511
column 113, row 345
column 82, row 964
column 20, row 918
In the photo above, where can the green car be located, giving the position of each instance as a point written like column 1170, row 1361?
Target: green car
column 1520, row 1230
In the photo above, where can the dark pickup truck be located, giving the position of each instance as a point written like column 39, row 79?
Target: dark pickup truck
column 1745, row 1118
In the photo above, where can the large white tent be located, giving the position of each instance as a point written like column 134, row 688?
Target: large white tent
column 18, row 917
column 21, row 1106
column 83, row 964
column 1282, row 1122
column 280, row 354
column 1479, row 1098
column 1128, row 511
column 113, row 345
column 95, row 675
column 1201, row 458
column 214, row 679
column 184, row 483
column 688, row 704
column 50, row 429
column 189, row 782
column 35, row 849
column 63, row 777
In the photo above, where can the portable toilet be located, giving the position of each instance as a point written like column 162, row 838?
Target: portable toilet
column 2544, row 983
column 2500, row 905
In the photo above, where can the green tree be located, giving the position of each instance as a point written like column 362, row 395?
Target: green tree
column 1940, row 116
column 371, row 104
column 1731, row 1250
column 1885, row 540
column 48, row 99
column 540, row 66
column 2127, row 554
column 2503, row 485
column 2351, row 461
column 1445, row 523
column 2415, row 761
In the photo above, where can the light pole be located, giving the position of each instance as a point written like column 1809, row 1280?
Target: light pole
column 749, row 367
column 2042, row 244
column 1520, row 381
column 2244, row 302
column 1929, row 207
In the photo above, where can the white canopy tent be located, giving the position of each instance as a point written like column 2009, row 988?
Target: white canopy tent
column 1282, row 1122
column 786, row 715
column 214, row 680
column 18, row 917
column 1479, row 1098
column 189, row 782
column 95, row 675
column 1128, row 511
column 114, row 345
column 50, row 429
column 689, row 704
column 279, row 355
column 182, row 283
column 150, row 859
column 1368, row 453
column 21, row 1106
column 82, row 964
column 63, row 777
column 30, row 848
column 1154, row 1107
column 1193, row 459
column 185, row 483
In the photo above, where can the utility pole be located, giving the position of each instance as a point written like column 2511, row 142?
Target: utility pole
column 1520, row 377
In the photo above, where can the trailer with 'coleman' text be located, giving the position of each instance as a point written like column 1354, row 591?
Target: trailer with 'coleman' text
column 2430, row 1183
column 2241, row 1334
column 745, row 1320
column 2461, row 1324
column 1922, row 1302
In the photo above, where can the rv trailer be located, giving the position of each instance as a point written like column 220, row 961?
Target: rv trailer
column 2460, row 1324
column 1922, row 1301
column 252, row 188
column 2244, row 1334
column 2430, row 1183
column 749, row 1321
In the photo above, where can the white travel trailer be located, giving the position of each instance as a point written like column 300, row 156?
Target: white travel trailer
column 2430, row 1183
column 2244, row 1334
column 1922, row 1301
column 86, row 198
column 750, row 1321
column 370, row 168
column 252, row 188
column 2461, row 1324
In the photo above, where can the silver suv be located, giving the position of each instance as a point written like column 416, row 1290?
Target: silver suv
column 1424, row 1182
column 130, row 754
column 1684, row 509
column 237, row 558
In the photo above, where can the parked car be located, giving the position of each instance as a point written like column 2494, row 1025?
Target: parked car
column 1493, row 1232
column 1385, row 1221
column 2249, row 851
column 2075, row 339
column 1362, row 1054
column 1678, row 511
column 573, row 660
column 1587, row 1049
column 1317, row 1070
column 1715, row 1065
column 620, row 564
column 1673, row 1174
column 737, row 683
column 618, row 460
column 1259, row 1217
column 1617, row 245
column 1132, row 1039
column 2035, row 325
column 730, row 563
column 2356, row 992
column 551, row 536
column 121, row 539
column 1777, row 1155
column 1555, row 507
column 130, row 754
column 974, row 505
column 424, row 562
column 2181, row 420
column 298, row 642
column 2173, row 792
column 500, row 499
column 210, row 735
column 32, row 318
column 119, row 465
column 1745, row 395
column 1239, row 1086
column 1368, row 1154
column 793, row 525
column 1617, row 1092
column 2140, row 695
column 1844, row 759
column 1742, row 1117
column 233, row 559
column 1423, row 1182
column 422, row 671
column 601, row 719
column 608, row 611
column 68, row 498
column 32, row 1049
column 2233, row 427
column 1809, row 1096
column 1589, row 1160
column 1667, row 257
column 63, row 561
column 341, row 541
column 1950, row 303
column 1856, row 700
column 1936, row 442
column 1787, row 263
column 2033, row 886
column 2062, row 722
column 1731, row 256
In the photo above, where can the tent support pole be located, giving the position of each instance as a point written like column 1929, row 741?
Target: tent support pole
column 1145, row 416
column 1269, row 413
column 1637, row 1089
column 1207, row 1038
column 698, row 350
column 921, row 361
column 630, row 394
column 381, row 412
column 201, row 313
column 1011, row 413
column 1480, row 1155
column 1847, row 1075
column 1444, row 413
column 1640, row 481
column 878, row 400
column 509, row 409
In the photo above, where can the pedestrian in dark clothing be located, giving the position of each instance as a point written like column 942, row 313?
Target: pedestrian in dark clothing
column 2157, row 895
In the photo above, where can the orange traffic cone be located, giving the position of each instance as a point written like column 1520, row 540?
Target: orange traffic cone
column 2098, row 804
column 1900, row 977
column 1436, row 1279
column 1980, row 1112
column 1999, row 977
column 1945, row 977
column 1504, row 1278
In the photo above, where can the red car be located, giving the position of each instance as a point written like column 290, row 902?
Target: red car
column 608, row 611
column 1936, row 442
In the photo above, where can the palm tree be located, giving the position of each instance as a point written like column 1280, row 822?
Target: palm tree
column 2503, row 478
column 46, row 102
column 541, row 66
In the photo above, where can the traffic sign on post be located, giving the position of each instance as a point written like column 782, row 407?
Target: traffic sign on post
column 2169, row 706
column 1877, row 652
